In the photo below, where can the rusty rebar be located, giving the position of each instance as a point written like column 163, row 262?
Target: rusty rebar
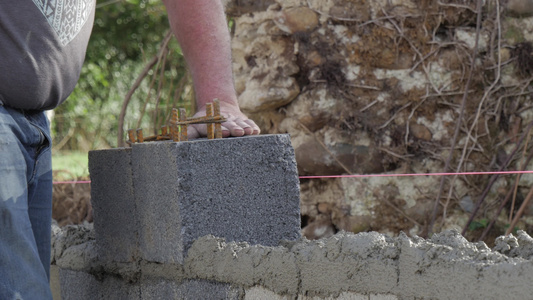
column 183, row 127
column 131, row 136
column 140, row 136
column 210, row 127
column 216, row 114
column 179, row 123
column 174, row 133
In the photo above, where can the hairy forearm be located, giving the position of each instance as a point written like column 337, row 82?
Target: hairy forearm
column 201, row 29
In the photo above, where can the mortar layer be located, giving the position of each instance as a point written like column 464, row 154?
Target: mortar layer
column 446, row 266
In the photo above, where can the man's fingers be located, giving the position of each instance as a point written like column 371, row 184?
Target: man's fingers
column 254, row 128
column 234, row 128
column 192, row 132
column 247, row 129
column 239, row 127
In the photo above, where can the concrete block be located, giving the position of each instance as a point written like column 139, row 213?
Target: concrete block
column 79, row 285
column 117, row 288
column 112, row 197
column 188, row 289
column 241, row 189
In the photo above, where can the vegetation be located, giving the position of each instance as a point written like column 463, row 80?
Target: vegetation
column 70, row 165
column 126, row 35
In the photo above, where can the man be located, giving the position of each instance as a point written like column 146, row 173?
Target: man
column 42, row 48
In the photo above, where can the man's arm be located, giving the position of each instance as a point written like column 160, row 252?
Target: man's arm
column 201, row 29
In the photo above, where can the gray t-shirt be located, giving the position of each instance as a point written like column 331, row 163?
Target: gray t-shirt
column 42, row 48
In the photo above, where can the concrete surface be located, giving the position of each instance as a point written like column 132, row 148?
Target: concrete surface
column 345, row 266
column 257, row 292
column 82, row 285
column 153, row 200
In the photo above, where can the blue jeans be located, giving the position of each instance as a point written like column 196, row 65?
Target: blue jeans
column 25, row 204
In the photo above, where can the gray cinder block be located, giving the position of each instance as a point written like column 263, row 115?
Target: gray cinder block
column 188, row 289
column 112, row 197
column 241, row 189
column 79, row 285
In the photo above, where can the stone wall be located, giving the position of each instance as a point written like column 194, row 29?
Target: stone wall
column 377, row 87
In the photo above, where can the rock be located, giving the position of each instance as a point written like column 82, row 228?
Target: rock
column 237, row 8
column 314, row 108
column 468, row 36
column 420, row 132
column 264, row 64
column 354, row 224
column 296, row 19
column 256, row 98
column 321, row 227
column 467, row 204
column 324, row 208
column 312, row 157
column 320, row 196
column 520, row 8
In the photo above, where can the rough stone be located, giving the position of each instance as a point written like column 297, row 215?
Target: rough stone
column 320, row 227
column 265, row 63
column 395, row 80
column 522, row 8
column 239, row 7
column 296, row 19
column 313, row 108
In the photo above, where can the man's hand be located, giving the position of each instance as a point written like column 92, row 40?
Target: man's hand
column 202, row 31
column 237, row 123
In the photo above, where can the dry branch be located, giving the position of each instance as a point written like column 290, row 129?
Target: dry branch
column 155, row 60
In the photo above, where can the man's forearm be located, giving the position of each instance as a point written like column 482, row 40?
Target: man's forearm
column 201, row 29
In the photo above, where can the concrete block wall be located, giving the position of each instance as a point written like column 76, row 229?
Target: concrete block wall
column 367, row 266
column 220, row 220
column 153, row 200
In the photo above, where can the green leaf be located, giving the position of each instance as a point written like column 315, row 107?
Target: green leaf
column 482, row 223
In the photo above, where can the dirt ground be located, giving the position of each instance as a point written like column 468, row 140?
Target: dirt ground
column 72, row 203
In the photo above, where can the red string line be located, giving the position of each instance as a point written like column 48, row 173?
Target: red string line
column 417, row 174
column 372, row 175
